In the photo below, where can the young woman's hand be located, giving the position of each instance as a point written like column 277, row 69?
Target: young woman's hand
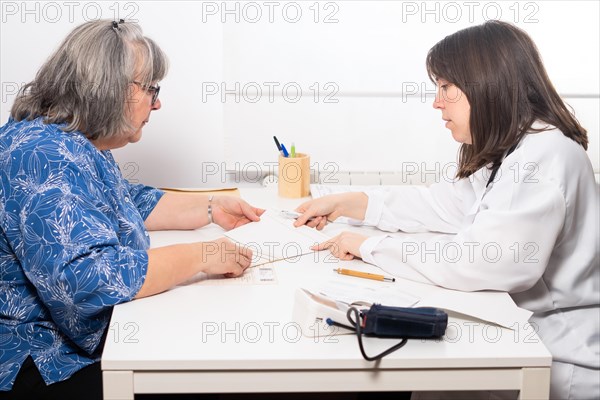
column 344, row 246
column 352, row 205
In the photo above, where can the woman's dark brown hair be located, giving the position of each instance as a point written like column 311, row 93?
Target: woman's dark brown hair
column 498, row 67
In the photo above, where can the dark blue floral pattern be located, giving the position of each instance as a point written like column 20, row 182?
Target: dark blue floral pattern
column 72, row 245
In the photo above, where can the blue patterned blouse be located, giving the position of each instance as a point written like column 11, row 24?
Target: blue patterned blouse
column 72, row 245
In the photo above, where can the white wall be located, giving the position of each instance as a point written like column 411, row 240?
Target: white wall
column 365, row 60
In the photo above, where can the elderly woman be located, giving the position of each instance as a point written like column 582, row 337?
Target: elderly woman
column 73, row 231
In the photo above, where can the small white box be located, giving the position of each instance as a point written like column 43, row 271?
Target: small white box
column 311, row 312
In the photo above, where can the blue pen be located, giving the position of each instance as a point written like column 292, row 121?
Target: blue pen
column 285, row 152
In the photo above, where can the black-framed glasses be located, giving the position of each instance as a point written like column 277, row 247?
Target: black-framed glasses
column 153, row 90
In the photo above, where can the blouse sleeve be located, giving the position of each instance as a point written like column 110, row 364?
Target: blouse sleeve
column 144, row 197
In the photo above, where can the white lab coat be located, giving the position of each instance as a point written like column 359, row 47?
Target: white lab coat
column 534, row 233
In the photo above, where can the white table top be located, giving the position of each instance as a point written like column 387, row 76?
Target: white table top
column 250, row 327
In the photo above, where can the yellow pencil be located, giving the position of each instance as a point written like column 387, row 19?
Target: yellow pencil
column 365, row 275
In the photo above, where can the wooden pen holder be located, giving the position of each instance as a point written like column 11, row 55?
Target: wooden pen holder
column 294, row 176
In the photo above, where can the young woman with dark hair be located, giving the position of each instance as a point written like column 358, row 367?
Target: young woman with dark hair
column 524, row 185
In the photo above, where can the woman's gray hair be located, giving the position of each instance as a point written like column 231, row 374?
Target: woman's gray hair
column 86, row 83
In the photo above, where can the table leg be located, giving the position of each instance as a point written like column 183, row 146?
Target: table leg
column 535, row 384
column 117, row 385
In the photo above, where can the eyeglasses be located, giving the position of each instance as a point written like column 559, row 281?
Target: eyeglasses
column 153, row 90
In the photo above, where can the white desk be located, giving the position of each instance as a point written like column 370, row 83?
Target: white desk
column 241, row 338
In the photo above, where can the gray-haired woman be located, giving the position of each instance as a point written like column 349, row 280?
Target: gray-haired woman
column 73, row 231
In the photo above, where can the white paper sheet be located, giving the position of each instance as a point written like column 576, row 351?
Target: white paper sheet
column 489, row 306
column 495, row 307
column 275, row 238
column 261, row 275
column 364, row 292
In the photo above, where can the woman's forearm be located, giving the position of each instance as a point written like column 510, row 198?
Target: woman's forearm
column 179, row 211
column 353, row 205
column 169, row 266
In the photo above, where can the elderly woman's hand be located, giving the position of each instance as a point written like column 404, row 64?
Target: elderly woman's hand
column 230, row 212
column 225, row 257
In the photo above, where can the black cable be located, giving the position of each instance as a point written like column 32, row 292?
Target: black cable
column 357, row 328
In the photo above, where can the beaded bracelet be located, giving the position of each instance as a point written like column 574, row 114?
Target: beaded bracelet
column 210, row 216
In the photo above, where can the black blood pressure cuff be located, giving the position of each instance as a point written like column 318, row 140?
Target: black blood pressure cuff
column 402, row 322
column 394, row 322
